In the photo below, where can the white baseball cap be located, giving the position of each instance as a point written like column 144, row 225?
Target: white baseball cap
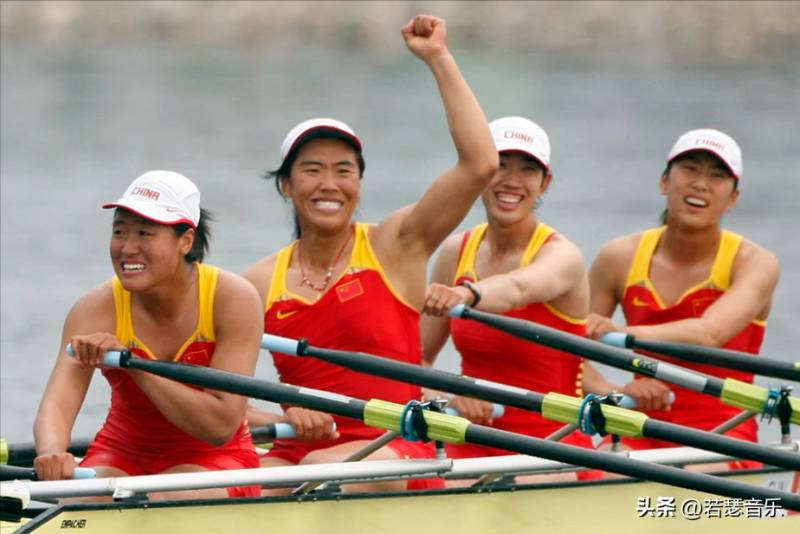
column 299, row 132
column 164, row 197
column 720, row 144
column 521, row 135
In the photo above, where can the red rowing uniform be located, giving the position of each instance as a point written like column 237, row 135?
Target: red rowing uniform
column 136, row 437
column 643, row 306
column 490, row 354
column 361, row 312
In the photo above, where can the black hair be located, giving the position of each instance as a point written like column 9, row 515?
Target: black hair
column 284, row 172
column 665, row 214
column 202, row 237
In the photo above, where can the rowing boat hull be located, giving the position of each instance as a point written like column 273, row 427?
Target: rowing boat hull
column 594, row 507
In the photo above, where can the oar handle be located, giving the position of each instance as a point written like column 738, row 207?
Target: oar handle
column 12, row 472
column 618, row 339
column 498, row 410
column 287, row 431
column 284, row 345
column 112, row 358
column 630, row 402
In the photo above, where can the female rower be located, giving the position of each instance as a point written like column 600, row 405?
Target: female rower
column 688, row 281
column 163, row 304
column 516, row 265
column 355, row 286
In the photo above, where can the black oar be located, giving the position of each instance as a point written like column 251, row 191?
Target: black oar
column 443, row 427
column 732, row 392
column 729, row 359
column 23, row 454
column 553, row 406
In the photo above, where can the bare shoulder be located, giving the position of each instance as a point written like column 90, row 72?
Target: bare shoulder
column 451, row 249
column 752, row 257
column 618, row 253
column 260, row 274
column 232, row 284
column 562, row 246
column 94, row 311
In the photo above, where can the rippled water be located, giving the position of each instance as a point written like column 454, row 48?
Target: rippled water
column 76, row 127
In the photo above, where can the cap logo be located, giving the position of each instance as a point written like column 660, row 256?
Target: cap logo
column 710, row 142
column 146, row 193
column 511, row 134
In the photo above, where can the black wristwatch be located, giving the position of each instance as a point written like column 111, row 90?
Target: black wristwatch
column 475, row 290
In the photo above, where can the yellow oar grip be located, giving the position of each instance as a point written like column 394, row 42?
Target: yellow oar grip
column 442, row 427
column 620, row 421
column 3, row 452
column 753, row 398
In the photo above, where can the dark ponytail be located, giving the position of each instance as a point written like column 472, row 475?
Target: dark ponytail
column 202, row 237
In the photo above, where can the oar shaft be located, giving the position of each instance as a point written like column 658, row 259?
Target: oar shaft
column 535, row 402
column 388, row 416
column 433, row 378
column 595, row 351
column 738, row 448
column 620, row 464
column 728, row 359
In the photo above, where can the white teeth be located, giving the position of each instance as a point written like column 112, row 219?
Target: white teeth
column 132, row 266
column 328, row 204
column 509, row 198
column 694, row 201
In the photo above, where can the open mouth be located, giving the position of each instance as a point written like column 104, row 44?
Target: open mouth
column 509, row 199
column 132, row 267
column 696, row 202
column 328, row 205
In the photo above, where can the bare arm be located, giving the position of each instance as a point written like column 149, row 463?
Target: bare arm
column 436, row 330
column 754, row 278
column 66, row 389
column 419, row 229
column 606, row 281
column 209, row 415
column 557, row 269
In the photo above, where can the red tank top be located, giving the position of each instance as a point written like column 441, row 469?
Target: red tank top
column 643, row 306
column 361, row 312
column 494, row 355
column 134, row 423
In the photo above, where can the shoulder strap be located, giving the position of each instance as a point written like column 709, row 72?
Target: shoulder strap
column 723, row 263
column 277, row 285
column 207, row 275
column 640, row 267
column 469, row 252
column 539, row 238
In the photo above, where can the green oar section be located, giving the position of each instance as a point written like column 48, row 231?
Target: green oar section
column 729, row 359
column 732, row 392
column 387, row 415
column 554, row 406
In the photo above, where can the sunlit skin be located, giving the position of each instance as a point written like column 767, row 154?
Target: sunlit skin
column 512, row 194
column 147, row 255
column 699, row 190
column 324, row 186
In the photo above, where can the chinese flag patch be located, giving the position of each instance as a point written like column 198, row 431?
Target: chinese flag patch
column 350, row 290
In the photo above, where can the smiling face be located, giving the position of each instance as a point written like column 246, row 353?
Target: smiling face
column 324, row 185
column 144, row 252
column 699, row 189
column 519, row 182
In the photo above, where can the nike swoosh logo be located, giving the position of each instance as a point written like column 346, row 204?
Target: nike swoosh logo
column 282, row 315
column 639, row 302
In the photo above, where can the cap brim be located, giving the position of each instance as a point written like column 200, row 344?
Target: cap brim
column 151, row 213
column 505, row 148
column 343, row 134
column 709, row 151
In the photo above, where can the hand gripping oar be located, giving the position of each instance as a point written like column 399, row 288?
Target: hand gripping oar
column 729, row 359
column 584, row 413
column 12, row 472
column 23, row 454
column 732, row 392
column 443, row 427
